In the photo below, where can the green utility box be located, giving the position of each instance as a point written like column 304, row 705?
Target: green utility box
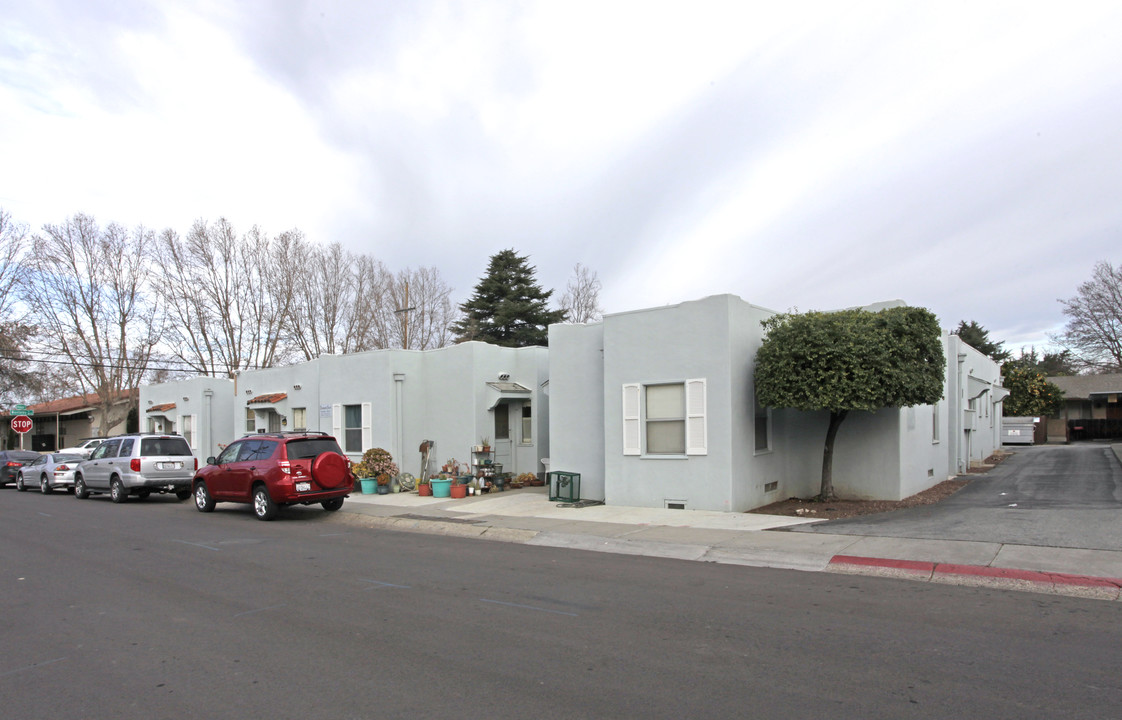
column 564, row 486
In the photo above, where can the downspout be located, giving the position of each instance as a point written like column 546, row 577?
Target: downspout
column 399, row 403
column 957, row 426
column 207, row 395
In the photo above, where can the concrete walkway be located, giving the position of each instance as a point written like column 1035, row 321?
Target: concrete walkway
column 527, row 516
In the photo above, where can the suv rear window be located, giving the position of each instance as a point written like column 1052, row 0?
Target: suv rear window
column 164, row 446
column 309, row 448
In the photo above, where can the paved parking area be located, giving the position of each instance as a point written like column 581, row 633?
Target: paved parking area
column 1057, row 496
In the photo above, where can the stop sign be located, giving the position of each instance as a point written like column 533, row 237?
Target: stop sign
column 21, row 424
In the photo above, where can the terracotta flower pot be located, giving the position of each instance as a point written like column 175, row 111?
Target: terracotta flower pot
column 459, row 491
column 424, row 490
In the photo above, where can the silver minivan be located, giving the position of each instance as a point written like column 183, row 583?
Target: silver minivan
column 137, row 464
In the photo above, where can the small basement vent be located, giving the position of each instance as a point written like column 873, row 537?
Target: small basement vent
column 771, row 486
column 675, row 504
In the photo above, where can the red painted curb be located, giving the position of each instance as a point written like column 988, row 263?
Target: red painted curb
column 915, row 565
column 1035, row 576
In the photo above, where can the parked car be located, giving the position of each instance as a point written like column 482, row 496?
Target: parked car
column 137, row 464
column 10, row 463
column 85, row 447
column 269, row 470
column 49, row 471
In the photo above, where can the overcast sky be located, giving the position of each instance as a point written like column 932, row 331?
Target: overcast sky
column 962, row 156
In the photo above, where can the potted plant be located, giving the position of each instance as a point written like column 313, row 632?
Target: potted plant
column 458, row 489
column 524, row 479
column 441, row 485
column 423, row 487
column 485, row 443
column 375, row 462
column 383, row 481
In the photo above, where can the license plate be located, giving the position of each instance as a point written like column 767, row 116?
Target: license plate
column 170, row 465
column 303, row 486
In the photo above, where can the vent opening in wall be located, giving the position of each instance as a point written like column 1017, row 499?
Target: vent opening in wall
column 771, row 486
column 675, row 504
column 930, row 472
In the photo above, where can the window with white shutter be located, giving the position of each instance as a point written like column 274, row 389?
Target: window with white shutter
column 697, row 439
column 367, row 420
column 631, row 421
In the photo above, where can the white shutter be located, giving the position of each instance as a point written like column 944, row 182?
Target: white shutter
column 696, row 432
column 367, row 434
column 194, row 432
column 631, row 425
column 337, row 424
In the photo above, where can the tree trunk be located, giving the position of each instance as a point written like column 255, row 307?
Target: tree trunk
column 827, row 491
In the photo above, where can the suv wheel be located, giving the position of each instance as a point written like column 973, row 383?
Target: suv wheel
column 117, row 491
column 19, row 483
column 203, row 501
column 80, row 490
column 183, row 494
column 44, row 486
column 263, row 506
column 333, row 504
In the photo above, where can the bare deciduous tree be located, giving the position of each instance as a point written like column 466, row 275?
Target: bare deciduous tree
column 581, row 301
column 335, row 291
column 1094, row 327
column 230, row 296
column 13, row 240
column 88, row 289
column 415, row 310
column 18, row 377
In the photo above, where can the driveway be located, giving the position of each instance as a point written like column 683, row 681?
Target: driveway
column 1064, row 496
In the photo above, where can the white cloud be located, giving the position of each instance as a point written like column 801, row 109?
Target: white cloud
column 811, row 154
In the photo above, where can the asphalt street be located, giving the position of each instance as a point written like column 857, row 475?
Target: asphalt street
column 1052, row 496
column 152, row 610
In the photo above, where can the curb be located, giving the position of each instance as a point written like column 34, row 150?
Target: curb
column 980, row 576
column 437, row 526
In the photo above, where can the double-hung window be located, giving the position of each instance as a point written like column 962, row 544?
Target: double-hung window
column 352, row 424
column 665, row 418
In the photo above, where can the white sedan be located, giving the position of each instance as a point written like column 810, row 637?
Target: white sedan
column 84, row 448
column 49, row 471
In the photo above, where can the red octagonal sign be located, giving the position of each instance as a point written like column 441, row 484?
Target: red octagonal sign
column 21, row 424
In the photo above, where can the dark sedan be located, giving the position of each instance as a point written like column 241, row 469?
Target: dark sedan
column 11, row 461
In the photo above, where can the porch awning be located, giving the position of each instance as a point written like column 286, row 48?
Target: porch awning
column 500, row 392
column 266, row 400
column 162, row 410
column 975, row 387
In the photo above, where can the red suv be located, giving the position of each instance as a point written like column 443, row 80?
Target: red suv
column 274, row 469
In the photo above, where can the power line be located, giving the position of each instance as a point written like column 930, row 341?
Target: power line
column 113, row 366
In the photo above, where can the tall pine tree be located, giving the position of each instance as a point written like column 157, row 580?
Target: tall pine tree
column 509, row 307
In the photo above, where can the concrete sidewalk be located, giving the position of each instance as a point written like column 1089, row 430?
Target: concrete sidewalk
column 527, row 516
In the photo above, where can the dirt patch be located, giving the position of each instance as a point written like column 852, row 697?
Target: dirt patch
column 834, row 509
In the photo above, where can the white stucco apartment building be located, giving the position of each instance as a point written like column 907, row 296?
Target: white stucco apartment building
column 653, row 408
column 393, row 399
column 656, row 408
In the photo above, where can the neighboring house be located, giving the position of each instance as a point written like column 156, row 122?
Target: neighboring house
column 1092, row 408
column 394, row 399
column 655, row 408
column 62, row 423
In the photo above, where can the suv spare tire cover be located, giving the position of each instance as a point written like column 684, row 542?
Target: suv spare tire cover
column 329, row 470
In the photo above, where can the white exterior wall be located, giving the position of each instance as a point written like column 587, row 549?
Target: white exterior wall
column 576, row 404
column 209, row 400
column 972, row 379
column 890, row 454
column 407, row 397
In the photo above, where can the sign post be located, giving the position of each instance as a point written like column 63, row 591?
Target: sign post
column 21, row 424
